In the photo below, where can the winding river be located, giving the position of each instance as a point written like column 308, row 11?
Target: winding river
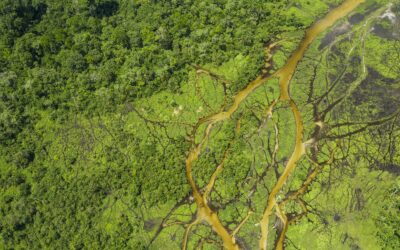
column 204, row 212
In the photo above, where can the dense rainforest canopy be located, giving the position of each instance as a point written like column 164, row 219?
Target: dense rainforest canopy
column 103, row 102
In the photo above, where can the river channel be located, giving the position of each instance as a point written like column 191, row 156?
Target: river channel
column 284, row 74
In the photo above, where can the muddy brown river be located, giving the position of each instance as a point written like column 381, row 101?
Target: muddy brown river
column 204, row 212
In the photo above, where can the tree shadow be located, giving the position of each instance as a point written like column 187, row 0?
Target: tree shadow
column 106, row 9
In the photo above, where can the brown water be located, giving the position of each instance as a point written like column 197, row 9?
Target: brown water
column 285, row 75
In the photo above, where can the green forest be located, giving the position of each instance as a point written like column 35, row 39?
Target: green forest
column 200, row 124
